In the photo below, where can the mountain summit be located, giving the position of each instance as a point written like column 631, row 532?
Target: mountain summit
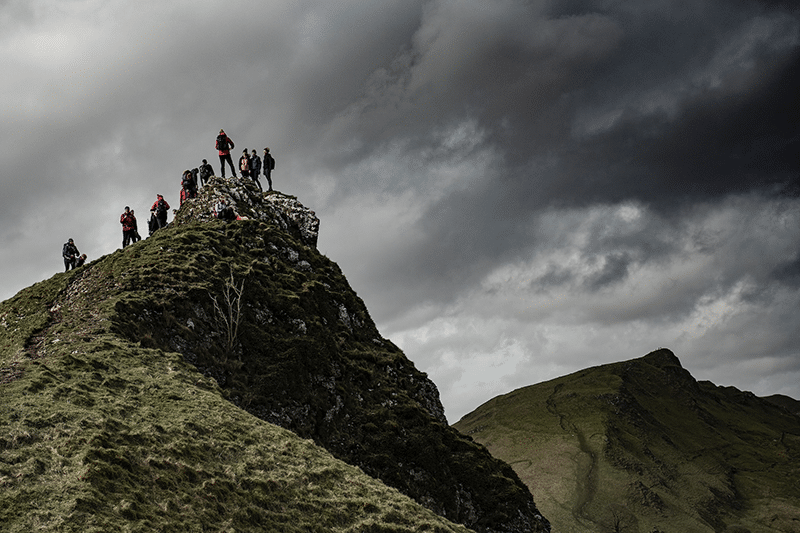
column 144, row 392
column 640, row 446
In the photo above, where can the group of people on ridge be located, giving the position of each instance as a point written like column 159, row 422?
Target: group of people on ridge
column 130, row 227
column 250, row 165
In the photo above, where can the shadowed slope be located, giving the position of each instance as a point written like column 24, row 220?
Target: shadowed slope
column 98, row 435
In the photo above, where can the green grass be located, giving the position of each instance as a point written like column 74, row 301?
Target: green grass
column 642, row 445
column 101, row 435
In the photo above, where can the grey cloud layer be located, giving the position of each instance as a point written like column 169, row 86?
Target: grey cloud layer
column 626, row 170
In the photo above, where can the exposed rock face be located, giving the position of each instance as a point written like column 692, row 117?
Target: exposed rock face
column 254, row 305
column 248, row 202
column 100, row 434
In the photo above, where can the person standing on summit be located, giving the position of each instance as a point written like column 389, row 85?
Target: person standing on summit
column 269, row 166
column 224, row 145
column 159, row 209
column 128, row 222
column 244, row 164
column 255, row 168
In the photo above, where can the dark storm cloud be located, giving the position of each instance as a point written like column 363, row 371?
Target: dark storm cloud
column 506, row 183
column 583, row 103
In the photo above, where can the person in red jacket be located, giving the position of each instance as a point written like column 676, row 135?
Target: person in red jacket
column 128, row 222
column 224, row 145
column 160, row 208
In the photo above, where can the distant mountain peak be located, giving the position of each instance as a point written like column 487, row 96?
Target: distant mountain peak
column 662, row 358
column 642, row 446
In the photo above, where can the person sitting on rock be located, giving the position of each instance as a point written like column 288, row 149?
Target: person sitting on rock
column 224, row 211
column 80, row 261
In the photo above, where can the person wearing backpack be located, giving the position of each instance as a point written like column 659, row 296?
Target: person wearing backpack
column 136, row 236
column 206, row 171
column 160, row 207
column 188, row 186
column 128, row 222
column 152, row 223
column 70, row 253
column 244, row 164
column 224, row 146
column 255, row 168
column 269, row 166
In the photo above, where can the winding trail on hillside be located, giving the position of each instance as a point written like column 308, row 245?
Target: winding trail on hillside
column 586, row 474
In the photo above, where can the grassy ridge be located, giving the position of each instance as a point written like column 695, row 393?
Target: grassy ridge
column 306, row 355
column 101, row 434
column 135, row 396
column 640, row 446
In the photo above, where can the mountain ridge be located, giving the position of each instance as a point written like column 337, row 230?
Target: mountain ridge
column 641, row 446
column 250, row 313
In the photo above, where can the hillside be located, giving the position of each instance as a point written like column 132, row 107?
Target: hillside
column 142, row 392
column 642, row 447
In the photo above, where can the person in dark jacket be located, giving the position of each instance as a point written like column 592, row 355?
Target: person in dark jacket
column 128, row 222
column 206, row 171
column 160, row 207
column 70, row 253
column 269, row 166
column 152, row 223
column 224, row 145
column 136, row 236
column 255, row 168
column 189, row 186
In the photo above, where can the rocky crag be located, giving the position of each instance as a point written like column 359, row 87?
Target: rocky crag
column 251, row 312
column 640, row 446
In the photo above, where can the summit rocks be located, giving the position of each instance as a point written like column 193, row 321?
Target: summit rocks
column 273, row 207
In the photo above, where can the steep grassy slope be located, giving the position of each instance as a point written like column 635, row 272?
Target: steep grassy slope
column 98, row 434
column 273, row 327
column 640, row 446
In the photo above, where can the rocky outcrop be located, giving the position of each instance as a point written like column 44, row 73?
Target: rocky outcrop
column 248, row 202
column 254, row 305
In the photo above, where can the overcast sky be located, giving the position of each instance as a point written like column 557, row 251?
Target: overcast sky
column 517, row 189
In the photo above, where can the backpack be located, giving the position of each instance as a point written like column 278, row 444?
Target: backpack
column 152, row 224
column 188, row 180
column 161, row 206
column 222, row 142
